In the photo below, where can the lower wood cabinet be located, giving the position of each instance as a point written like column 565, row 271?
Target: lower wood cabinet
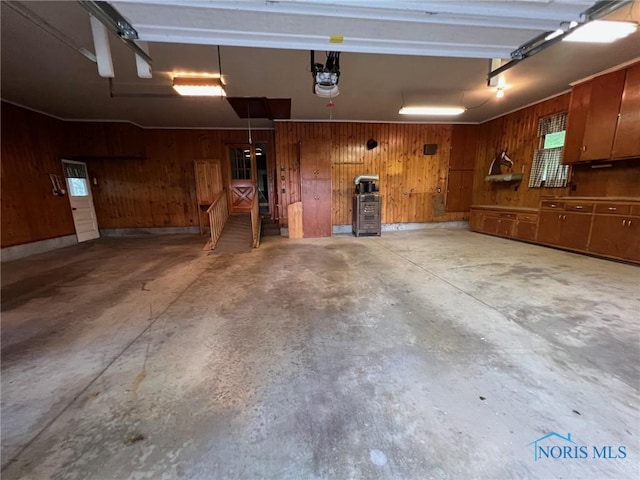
column 570, row 230
column 512, row 223
column 616, row 236
column 596, row 226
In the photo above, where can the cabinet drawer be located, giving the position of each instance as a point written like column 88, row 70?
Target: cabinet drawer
column 499, row 215
column 527, row 217
column 550, row 204
column 613, row 208
column 579, row 207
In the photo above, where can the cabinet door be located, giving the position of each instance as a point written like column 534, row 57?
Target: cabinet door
column 576, row 122
column 549, row 227
column 490, row 225
column 606, row 236
column 631, row 239
column 459, row 190
column 454, row 191
column 616, row 236
column 466, row 193
column 526, row 230
column 506, row 227
column 316, row 208
column 627, row 139
column 476, row 220
column 315, row 159
column 315, row 184
column 464, row 139
column 604, row 105
column 574, row 232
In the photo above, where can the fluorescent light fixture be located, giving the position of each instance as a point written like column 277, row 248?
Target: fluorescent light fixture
column 601, row 31
column 431, row 110
column 199, row 86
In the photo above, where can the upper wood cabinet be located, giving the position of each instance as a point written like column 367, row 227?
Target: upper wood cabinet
column 464, row 141
column 593, row 118
column 627, row 139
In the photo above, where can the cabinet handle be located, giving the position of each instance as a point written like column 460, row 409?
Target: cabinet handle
column 612, row 209
column 628, row 223
column 559, row 217
column 624, row 223
column 579, row 207
column 553, row 205
column 583, row 148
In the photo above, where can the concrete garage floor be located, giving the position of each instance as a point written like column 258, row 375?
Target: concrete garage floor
column 419, row 355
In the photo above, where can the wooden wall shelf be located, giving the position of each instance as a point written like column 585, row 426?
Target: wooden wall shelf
column 505, row 177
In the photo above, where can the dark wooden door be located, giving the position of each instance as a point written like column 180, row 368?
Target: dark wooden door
column 627, row 139
column 315, row 173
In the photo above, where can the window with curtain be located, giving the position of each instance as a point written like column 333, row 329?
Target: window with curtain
column 547, row 169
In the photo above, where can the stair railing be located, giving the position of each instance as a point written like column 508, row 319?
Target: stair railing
column 256, row 221
column 218, row 216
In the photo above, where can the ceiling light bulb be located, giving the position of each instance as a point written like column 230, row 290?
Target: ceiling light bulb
column 601, row 31
column 431, row 110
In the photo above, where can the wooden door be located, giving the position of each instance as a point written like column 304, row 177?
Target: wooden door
column 242, row 178
column 315, row 174
column 604, row 105
column 627, row 139
column 81, row 200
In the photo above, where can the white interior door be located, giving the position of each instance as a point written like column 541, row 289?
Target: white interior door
column 84, row 214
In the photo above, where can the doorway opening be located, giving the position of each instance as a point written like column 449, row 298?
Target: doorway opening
column 263, row 178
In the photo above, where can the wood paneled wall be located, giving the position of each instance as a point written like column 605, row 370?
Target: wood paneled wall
column 30, row 147
column 517, row 132
column 408, row 178
column 159, row 189
column 144, row 178
column 620, row 179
